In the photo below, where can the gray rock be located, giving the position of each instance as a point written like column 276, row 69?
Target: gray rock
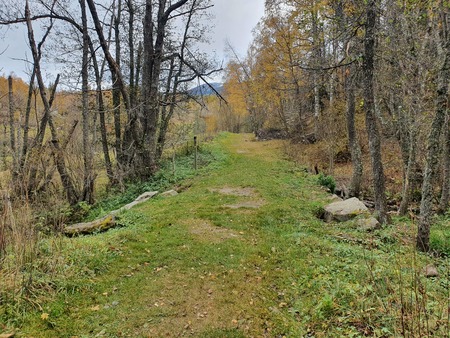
column 140, row 199
column 368, row 224
column 99, row 225
column 169, row 193
column 334, row 198
column 430, row 271
column 345, row 210
column 146, row 195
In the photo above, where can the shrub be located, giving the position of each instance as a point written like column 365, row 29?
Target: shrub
column 327, row 181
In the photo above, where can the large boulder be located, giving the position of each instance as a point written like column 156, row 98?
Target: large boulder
column 344, row 210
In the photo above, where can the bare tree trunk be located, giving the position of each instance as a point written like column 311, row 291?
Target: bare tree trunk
column 409, row 174
column 355, row 149
column 166, row 116
column 88, row 179
column 433, row 146
column 101, row 111
column 103, row 133
column 113, row 66
column 26, row 125
column 138, row 67
column 316, row 74
column 152, row 60
column 407, row 120
column 12, row 131
column 349, row 89
column 150, row 77
column 133, row 85
column 406, row 140
column 59, row 157
column 445, row 192
column 116, row 89
column 371, row 119
column 116, row 74
column 39, row 138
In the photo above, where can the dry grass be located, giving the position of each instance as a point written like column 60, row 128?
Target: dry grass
column 205, row 231
column 316, row 155
column 236, row 191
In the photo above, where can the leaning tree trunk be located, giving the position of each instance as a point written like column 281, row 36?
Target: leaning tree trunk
column 101, row 112
column 433, row 147
column 36, row 146
column 116, row 90
column 26, row 128
column 67, row 183
column 369, row 108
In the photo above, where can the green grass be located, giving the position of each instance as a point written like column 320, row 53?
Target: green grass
column 440, row 236
column 165, row 178
column 191, row 266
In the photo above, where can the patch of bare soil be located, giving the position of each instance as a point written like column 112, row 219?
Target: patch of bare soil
column 207, row 232
column 236, row 191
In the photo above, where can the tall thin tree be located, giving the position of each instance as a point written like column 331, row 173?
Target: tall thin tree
column 369, row 109
column 433, row 146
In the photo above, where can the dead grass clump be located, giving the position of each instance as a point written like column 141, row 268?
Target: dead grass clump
column 316, row 157
column 236, row 191
column 28, row 262
column 207, row 232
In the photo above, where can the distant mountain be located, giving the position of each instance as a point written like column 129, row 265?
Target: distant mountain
column 205, row 90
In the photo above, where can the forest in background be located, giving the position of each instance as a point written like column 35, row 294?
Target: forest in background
column 352, row 81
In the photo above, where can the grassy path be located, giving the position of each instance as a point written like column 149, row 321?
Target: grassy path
column 238, row 253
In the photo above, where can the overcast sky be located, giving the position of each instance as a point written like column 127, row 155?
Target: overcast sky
column 233, row 20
